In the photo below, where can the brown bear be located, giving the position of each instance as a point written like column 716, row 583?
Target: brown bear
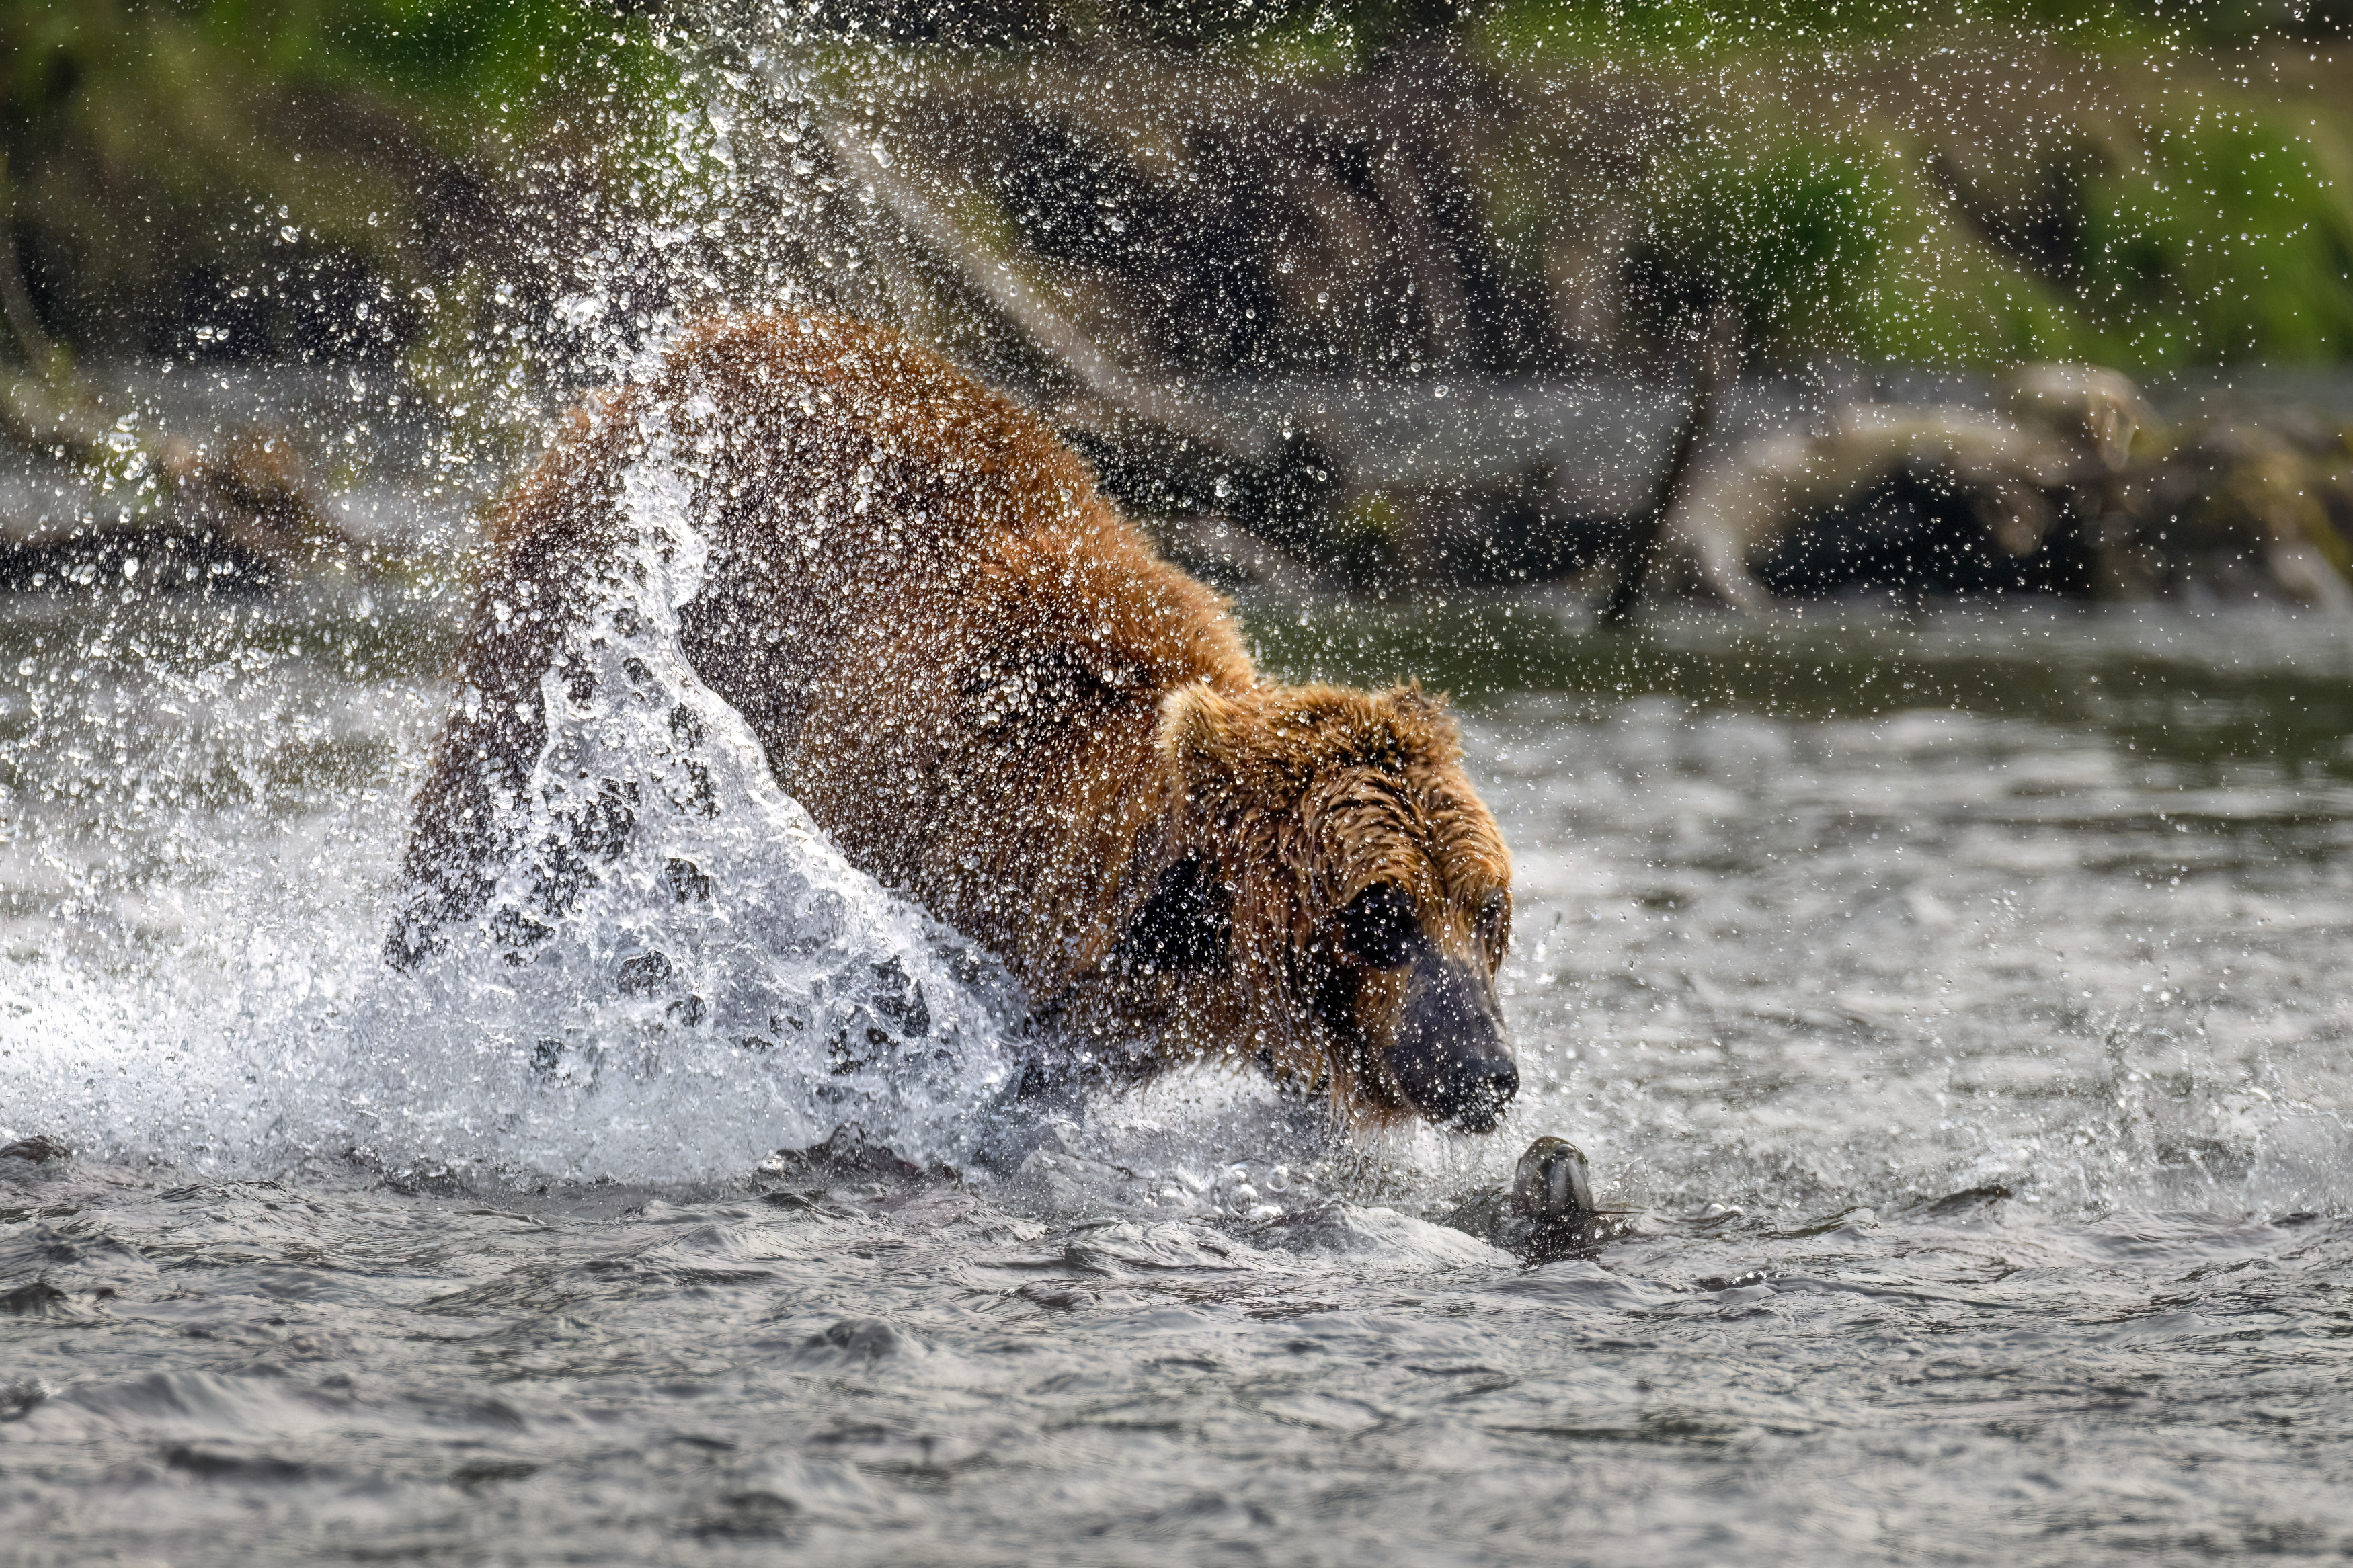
column 985, row 684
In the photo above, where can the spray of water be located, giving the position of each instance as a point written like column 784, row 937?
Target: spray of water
column 677, row 974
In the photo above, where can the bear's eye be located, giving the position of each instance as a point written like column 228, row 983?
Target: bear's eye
column 1378, row 926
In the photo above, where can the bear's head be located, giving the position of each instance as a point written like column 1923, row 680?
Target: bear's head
column 1364, row 889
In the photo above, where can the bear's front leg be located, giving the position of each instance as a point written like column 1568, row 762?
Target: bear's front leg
column 1065, row 1054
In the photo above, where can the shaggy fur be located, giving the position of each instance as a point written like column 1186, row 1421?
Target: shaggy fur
column 982, row 681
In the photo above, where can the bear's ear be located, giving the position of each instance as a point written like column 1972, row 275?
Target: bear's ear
column 1198, row 727
column 1420, row 720
column 1407, row 697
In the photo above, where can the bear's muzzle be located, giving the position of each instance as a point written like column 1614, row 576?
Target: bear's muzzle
column 1451, row 1061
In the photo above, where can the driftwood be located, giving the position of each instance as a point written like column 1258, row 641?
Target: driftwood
column 2066, row 475
column 1120, row 283
column 247, row 505
column 248, row 500
column 1131, row 383
column 1712, row 366
column 2062, row 426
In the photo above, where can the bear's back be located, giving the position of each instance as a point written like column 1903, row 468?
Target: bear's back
column 953, row 649
column 951, row 646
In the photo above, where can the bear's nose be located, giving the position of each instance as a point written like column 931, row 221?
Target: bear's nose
column 1472, row 1098
column 1451, row 1057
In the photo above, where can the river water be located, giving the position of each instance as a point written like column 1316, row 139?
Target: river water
column 1955, row 1001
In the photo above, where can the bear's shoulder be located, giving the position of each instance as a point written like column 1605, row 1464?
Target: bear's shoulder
column 871, row 387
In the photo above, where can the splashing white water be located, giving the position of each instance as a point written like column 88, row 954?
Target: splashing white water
column 678, row 975
column 679, row 948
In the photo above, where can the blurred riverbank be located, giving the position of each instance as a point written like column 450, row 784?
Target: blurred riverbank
column 1404, row 302
column 2218, row 487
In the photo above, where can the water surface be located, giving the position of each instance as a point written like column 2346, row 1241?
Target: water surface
column 1952, row 999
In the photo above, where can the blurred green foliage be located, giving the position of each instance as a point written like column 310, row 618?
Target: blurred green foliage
column 2226, row 244
column 1688, row 28
column 2140, row 184
column 455, row 63
column 1796, row 234
column 226, row 158
column 1679, row 29
column 1972, row 204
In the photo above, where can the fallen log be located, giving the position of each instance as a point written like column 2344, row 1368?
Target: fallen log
column 244, row 508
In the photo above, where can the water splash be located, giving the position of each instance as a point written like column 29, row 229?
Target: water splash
column 678, row 975
column 677, row 946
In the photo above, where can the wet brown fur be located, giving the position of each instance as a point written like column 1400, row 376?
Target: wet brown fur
column 982, row 681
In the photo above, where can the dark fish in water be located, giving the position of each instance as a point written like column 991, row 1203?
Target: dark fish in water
column 1547, row 1213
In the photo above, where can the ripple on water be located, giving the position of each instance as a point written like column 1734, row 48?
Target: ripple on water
column 1973, row 1067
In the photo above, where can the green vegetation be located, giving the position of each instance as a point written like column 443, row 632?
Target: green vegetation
column 2143, row 184
column 211, row 165
column 1978, row 205
column 1706, row 29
